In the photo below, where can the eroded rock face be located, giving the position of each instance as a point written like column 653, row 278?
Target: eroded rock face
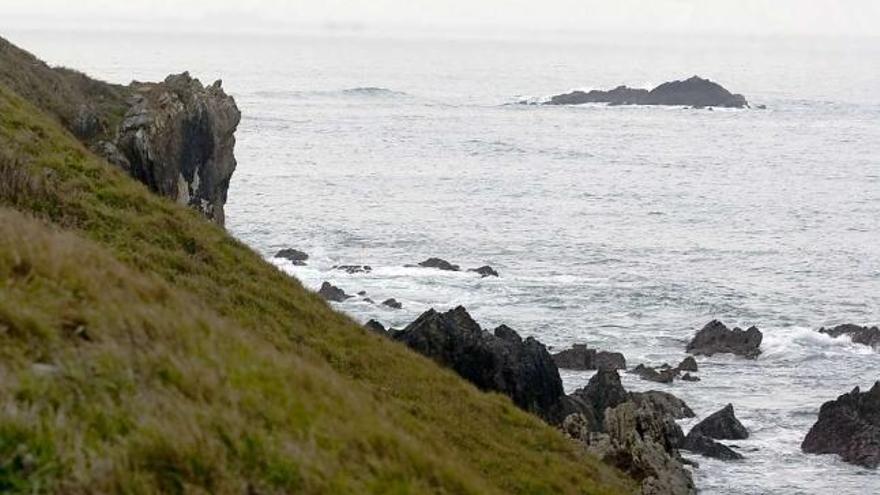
column 716, row 338
column 502, row 362
column 849, row 427
column 580, row 357
column 869, row 336
column 722, row 425
column 694, row 92
column 178, row 138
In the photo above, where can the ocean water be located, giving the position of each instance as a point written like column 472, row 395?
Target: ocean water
column 627, row 228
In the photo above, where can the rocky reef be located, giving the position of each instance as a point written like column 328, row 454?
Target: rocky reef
column 581, row 357
column 716, row 338
column 694, row 92
column 869, row 336
column 849, row 427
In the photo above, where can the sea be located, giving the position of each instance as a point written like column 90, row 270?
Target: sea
column 625, row 228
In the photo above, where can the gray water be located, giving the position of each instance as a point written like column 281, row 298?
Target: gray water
column 626, row 228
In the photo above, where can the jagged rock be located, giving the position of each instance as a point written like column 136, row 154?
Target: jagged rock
column 485, row 271
column 439, row 264
column 869, row 336
column 698, row 443
column 665, row 403
column 849, row 427
column 688, row 364
column 665, row 375
column 715, row 338
column 695, row 92
column 392, row 303
column 722, row 425
column 332, row 293
column 690, row 378
column 353, row 269
column 376, row 326
column 501, row 362
column 295, row 256
column 178, row 138
column 604, row 390
column 579, row 357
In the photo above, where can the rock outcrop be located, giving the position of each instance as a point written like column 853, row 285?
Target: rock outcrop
column 485, row 271
column 698, row 443
column 869, row 336
column 392, row 303
column 722, row 425
column 849, row 427
column 661, row 375
column 580, row 357
column 501, row 362
column 688, row 364
column 439, row 264
column 332, row 293
column 178, row 139
column 694, row 92
column 376, row 327
column 665, row 403
column 295, row 256
column 354, row 269
column 716, row 338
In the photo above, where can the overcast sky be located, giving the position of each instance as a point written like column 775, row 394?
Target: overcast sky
column 835, row 17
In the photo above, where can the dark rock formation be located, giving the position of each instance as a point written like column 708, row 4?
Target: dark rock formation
column 376, row 327
column 178, row 139
column 332, row 293
column 503, row 362
column 694, row 92
column 604, row 390
column 688, row 364
column 439, row 264
column 295, row 256
column 665, row 403
column 715, row 338
column 353, row 269
column 869, row 336
column 700, row 444
column 661, row 375
column 722, row 425
column 579, row 357
column 392, row 303
column 485, row 271
column 690, row 378
column 849, row 427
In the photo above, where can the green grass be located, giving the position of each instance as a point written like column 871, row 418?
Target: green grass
column 144, row 350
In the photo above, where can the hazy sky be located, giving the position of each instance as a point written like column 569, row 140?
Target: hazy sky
column 840, row 17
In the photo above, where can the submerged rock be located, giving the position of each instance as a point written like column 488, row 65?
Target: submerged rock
column 501, row 362
column 485, row 271
column 332, row 293
column 722, row 425
column 693, row 92
column 295, row 256
column 849, row 427
column 869, row 336
column 353, row 269
column 664, row 375
column 178, row 138
column 439, row 264
column 580, row 357
column 716, row 338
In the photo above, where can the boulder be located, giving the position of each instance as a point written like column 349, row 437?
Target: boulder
column 849, row 427
column 665, row 403
column 688, row 364
column 693, row 92
column 716, row 338
column 722, row 425
column 439, row 264
column 353, row 269
column 485, row 271
column 604, row 390
column 869, row 336
column 332, row 293
column 392, row 303
column 295, row 256
column 690, row 378
column 700, row 444
column 178, row 139
column 501, row 362
column 580, row 357
column 664, row 375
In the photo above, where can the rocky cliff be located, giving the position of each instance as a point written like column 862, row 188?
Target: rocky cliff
column 176, row 136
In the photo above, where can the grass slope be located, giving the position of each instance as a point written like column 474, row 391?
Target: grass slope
column 144, row 350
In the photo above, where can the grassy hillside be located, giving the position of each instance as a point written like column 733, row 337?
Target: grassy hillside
column 143, row 350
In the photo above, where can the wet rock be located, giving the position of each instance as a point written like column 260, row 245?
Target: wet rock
column 392, row 303
column 716, row 338
column 661, row 375
column 705, row 446
column 604, row 390
column 869, row 336
column 178, row 139
column 376, row 326
column 485, row 271
column 295, row 256
column 439, row 264
column 580, row 357
column 664, row 402
column 368, row 300
column 501, row 362
column 332, row 293
column 362, row 293
column 690, row 378
column 694, row 92
column 849, row 427
column 353, row 269
column 688, row 364
column 722, row 425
